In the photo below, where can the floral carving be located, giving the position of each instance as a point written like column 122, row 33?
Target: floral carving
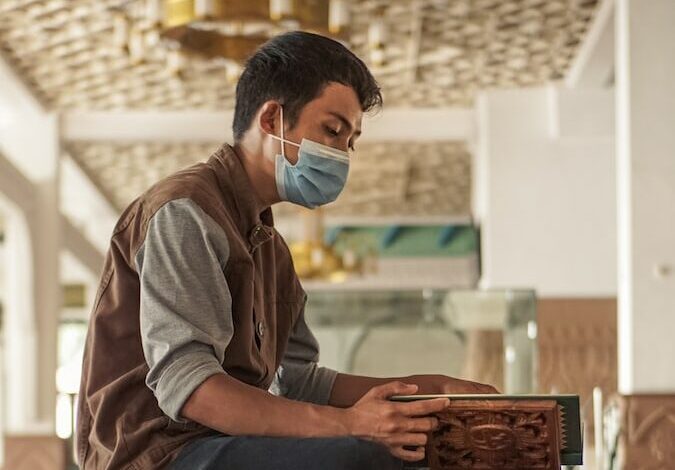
column 503, row 435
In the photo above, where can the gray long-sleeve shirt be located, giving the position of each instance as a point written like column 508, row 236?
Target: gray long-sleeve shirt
column 186, row 313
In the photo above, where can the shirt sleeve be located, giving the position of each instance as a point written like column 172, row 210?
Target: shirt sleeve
column 299, row 376
column 185, row 303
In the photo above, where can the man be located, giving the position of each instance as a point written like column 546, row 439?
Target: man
column 198, row 355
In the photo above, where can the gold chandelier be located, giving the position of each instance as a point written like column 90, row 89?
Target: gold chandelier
column 224, row 30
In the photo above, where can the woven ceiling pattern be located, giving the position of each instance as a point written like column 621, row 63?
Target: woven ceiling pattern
column 437, row 52
column 430, row 179
column 467, row 45
column 122, row 171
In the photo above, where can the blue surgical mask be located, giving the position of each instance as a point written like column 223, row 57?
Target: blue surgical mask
column 317, row 178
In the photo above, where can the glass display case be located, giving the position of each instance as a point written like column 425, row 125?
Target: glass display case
column 483, row 335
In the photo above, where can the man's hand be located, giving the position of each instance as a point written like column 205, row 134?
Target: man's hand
column 394, row 424
column 436, row 384
column 348, row 389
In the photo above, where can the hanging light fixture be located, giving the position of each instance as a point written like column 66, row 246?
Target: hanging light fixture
column 377, row 37
column 121, row 25
column 136, row 46
column 224, row 30
column 280, row 9
column 338, row 16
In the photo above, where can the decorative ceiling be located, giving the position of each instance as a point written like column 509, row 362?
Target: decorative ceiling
column 430, row 53
column 122, row 171
column 433, row 52
column 430, row 179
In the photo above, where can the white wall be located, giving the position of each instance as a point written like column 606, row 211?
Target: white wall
column 645, row 82
column 545, row 191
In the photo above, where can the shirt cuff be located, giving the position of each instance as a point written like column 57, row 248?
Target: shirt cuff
column 325, row 379
column 181, row 378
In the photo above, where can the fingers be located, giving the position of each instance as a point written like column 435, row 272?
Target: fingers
column 392, row 388
column 484, row 388
column 426, row 424
column 411, row 439
column 394, row 422
column 466, row 386
column 403, row 425
column 408, row 455
column 423, row 407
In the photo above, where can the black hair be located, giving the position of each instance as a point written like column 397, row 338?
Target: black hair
column 294, row 68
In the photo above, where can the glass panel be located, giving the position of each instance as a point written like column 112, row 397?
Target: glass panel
column 487, row 336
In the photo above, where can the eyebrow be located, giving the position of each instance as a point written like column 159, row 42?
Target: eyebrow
column 345, row 121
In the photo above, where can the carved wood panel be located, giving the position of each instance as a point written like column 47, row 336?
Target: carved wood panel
column 577, row 346
column 35, row 453
column 648, row 438
column 490, row 435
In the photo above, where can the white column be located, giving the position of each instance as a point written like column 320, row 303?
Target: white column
column 20, row 336
column 645, row 141
column 29, row 139
column 46, row 247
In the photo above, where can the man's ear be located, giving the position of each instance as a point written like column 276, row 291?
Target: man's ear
column 269, row 118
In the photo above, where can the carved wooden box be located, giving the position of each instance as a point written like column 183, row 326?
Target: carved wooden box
column 497, row 435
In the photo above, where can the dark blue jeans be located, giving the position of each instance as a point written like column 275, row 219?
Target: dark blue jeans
column 222, row 452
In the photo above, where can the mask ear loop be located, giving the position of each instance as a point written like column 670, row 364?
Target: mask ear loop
column 283, row 140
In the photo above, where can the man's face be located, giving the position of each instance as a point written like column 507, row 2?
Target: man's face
column 332, row 119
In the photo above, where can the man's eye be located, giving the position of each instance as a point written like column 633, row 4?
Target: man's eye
column 332, row 131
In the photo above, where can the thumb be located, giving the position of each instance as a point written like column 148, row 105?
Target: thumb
column 394, row 388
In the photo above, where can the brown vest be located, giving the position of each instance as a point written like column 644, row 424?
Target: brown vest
column 120, row 425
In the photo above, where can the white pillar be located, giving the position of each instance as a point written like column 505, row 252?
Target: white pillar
column 20, row 338
column 46, row 247
column 29, row 138
column 645, row 142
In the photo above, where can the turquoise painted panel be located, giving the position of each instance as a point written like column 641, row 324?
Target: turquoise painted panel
column 409, row 241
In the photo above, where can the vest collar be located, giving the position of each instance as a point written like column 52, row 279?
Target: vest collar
column 255, row 226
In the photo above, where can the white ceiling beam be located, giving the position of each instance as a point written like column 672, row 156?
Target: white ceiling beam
column 80, row 247
column 593, row 66
column 15, row 187
column 419, row 124
column 390, row 124
column 20, row 192
column 16, row 90
column 160, row 126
